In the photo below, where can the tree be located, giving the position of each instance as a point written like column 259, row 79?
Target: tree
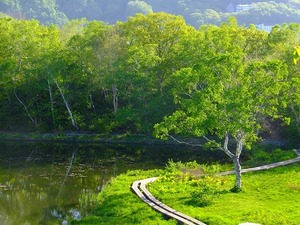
column 41, row 77
column 282, row 44
column 73, row 80
column 223, row 97
column 43, row 10
column 134, row 7
column 21, row 46
column 72, row 28
column 151, row 41
column 160, row 32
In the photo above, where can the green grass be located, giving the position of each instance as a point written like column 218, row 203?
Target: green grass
column 268, row 197
column 117, row 204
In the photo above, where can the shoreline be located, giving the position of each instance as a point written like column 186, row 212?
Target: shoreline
column 76, row 137
column 84, row 138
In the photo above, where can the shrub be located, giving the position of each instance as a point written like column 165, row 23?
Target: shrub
column 267, row 155
column 203, row 197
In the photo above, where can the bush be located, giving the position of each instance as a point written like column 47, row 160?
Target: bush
column 265, row 155
column 203, row 197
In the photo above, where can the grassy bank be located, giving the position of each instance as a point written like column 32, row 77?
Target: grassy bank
column 118, row 205
column 268, row 197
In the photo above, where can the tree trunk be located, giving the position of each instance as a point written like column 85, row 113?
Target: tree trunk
column 238, row 174
column 235, row 158
column 25, row 108
column 236, row 161
column 51, row 101
column 296, row 113
column 92, row 102
column 67, row 106
column 115, row 98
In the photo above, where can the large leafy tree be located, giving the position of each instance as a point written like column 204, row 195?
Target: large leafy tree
column 152, row 42
column 30, row 62
column 21, row 46
column 160, row 32
column 282, row 42
column 77, row 79
column 33, row 66
column 223, row 97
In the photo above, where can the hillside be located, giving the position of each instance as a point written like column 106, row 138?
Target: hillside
column 195, row 12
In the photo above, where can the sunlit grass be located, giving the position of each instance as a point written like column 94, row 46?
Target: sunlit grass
column 268, row 197
column 118, row 205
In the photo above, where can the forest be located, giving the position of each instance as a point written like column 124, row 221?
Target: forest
column 125, row 78
column 195, row 12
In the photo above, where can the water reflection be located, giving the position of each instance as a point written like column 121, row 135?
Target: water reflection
column 51, row 183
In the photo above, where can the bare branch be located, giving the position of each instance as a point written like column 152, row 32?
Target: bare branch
column 239, row 142
column 189, row 95
column 225, row 146
column 67, row 105
column 183, row 142
column 25, row 107
column 207, row 139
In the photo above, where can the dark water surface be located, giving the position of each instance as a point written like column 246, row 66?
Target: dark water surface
column 53, row 183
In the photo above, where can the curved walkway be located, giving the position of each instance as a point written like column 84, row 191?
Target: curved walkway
column 139, row 187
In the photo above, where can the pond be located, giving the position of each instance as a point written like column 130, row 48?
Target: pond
column 53, row 183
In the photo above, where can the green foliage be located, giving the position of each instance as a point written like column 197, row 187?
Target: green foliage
column 261, row 155
column 203, row 197
column 291, row 134
column 225, row 96
column 296, row 54
column 193, row 168
column 208, row 189
column 153, row 66
column 201, row 177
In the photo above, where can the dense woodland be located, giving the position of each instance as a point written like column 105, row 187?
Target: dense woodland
column 195, row 12
column 125, row 78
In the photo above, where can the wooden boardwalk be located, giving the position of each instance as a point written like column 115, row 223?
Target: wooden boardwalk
column 139, row 187
column 264, row 167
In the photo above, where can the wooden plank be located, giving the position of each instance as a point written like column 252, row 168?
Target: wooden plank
column 297, row 152
column 272, row 165
column 159, row 203
column 136, row 188
column 264, row 167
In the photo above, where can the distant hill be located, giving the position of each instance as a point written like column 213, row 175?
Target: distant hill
column 195, row 12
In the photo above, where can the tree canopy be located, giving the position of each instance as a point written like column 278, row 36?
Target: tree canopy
column 223, row 83
column 225, row 95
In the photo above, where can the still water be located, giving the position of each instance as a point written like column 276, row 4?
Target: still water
column 53, row 183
